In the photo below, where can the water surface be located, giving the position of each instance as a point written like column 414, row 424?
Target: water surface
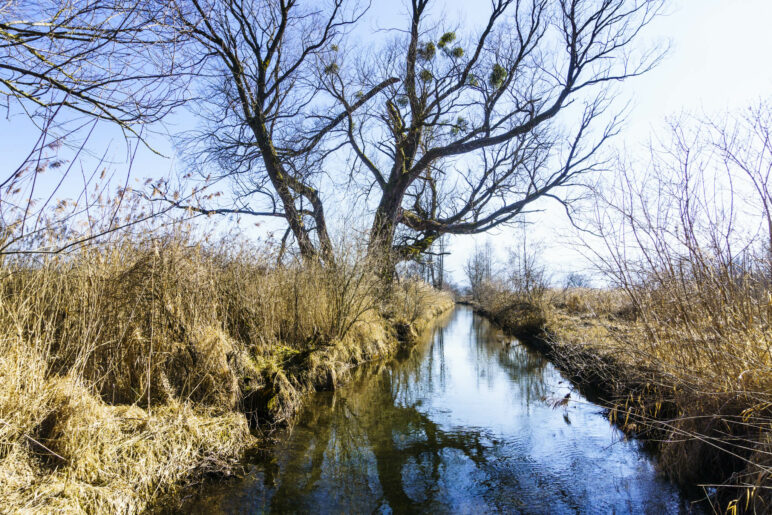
column 465, row 424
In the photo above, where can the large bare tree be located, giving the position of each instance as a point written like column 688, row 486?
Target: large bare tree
column 468, row 136
column 266, row 117
column 456, row 132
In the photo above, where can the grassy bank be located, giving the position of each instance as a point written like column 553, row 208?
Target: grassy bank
column 699, row 388
column 130, row 370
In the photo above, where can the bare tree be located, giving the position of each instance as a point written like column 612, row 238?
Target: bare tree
column 479, row 268
column 266, row 117
column 525, row 272
column 68, row 65
column 745, row 144
column 462, row 139
column 686, row 220
column 467, row 138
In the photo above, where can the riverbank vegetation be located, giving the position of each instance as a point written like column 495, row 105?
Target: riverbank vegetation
column 136, row 355
column 680, row 341
column 132, row 368
column 707, row 410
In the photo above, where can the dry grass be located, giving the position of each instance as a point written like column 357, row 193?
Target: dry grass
column 130, row 369
column 521, row 313
column 699, row 377
column 681, row 345
column 702, row 391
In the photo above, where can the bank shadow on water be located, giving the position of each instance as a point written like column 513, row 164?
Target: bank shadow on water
column 463, row 423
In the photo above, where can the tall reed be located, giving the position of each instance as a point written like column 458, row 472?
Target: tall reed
column 132, row 367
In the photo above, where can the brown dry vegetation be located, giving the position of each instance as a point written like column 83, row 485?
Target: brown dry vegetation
column 680, row 343
column 700, row 390
column 131, row 369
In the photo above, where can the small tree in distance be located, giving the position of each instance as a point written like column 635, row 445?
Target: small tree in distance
column 479, row 269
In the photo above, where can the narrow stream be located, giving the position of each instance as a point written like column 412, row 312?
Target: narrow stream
column 464, row 424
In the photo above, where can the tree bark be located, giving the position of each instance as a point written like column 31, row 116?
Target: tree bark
column 278, row 177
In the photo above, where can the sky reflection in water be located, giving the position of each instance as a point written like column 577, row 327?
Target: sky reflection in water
column 463, row 424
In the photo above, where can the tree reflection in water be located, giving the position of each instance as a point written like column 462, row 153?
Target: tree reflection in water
column 458, row 424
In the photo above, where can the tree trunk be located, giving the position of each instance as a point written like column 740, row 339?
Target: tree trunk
column 280, row 179
column 380, row 247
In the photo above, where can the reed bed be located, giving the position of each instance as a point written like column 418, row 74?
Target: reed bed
column 134, row 368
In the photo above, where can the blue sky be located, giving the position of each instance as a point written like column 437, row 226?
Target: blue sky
column 719, row 60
